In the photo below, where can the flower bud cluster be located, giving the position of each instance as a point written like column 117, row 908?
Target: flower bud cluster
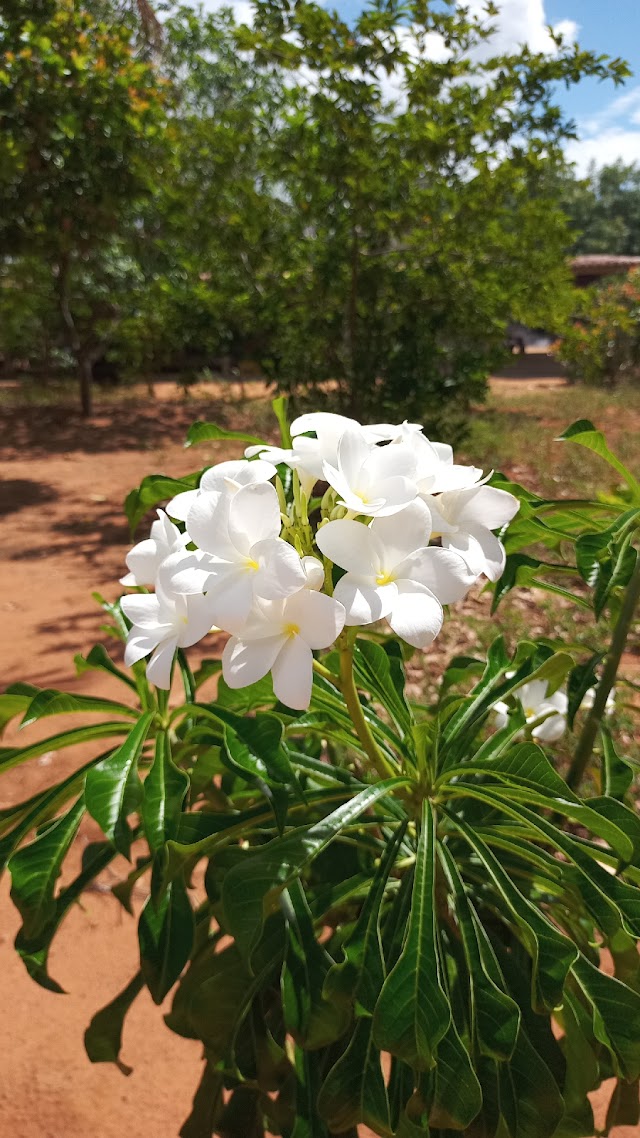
column 255, row 555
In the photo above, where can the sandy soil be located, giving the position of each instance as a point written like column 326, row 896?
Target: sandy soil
column 62, row 483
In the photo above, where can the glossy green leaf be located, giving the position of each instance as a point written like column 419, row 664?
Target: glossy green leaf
column 36, row 867
column 153, row 490
column 383, row 676
column 551, row 952
column 495, row 1016
column 585, row 434
column 457, row 1094
column 99, row 660
column 51, row 702
column 252, row 889
column 14, row 701
column 617, row 774
column 313, row 1021
column 108, row 786
column 163, row 796
column 208, row 432
column 537, row 1100
column 354, row 1091
column 103, row 1037
column 362, row 973
column 616, row 1015
column 165, row 933
column 412, row 1013
column 209, row 999
column 13, row 756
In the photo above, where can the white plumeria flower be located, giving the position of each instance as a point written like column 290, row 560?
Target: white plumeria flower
column 372, row 480
column 314, row 572
column 162, row 624
column 308, row 455
column 464, row 520
column 240, row 554
column 280, row 637
column 392, row 573
column 589, row 699
column 224, row 476
column 536, row 703
column 435, row 469
column 144, row 560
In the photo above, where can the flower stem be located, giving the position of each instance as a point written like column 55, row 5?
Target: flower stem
column 584, row 749
column 348, row 688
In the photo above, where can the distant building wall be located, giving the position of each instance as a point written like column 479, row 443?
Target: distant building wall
column 592, row 267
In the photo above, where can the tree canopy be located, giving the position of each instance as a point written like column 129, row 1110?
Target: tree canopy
column 358, row 205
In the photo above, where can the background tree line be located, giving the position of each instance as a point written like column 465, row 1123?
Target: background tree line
column 359, row 208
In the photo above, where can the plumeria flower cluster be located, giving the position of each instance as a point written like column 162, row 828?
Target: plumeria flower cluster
column 398, row 530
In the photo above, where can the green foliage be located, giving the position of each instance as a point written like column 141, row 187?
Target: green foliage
column 604, row 209
column 444, row 915
column 602, row 344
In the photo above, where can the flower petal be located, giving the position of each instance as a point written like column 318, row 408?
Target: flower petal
column 140, row 644
column 485, row 506
column 179, row 506
column 481, row 550
column 320, row 618
column 403, row 532
column 230, row 599
column 352, row 546
column 353, row 452
column 207, row 525
column 280, row 570
column 363, row 601
column 293, row 673
column 416, row 615
column 160, row 664
column 441, row 571
column 245, row 662
column 142, row 609
column 390, row 496
column 198, row 621
column 254, row 514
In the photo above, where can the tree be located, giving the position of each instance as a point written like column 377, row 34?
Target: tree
column 604, row 209
column 415, row 165
column 80, row 118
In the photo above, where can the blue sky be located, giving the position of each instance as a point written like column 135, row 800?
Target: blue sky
column 607, row 118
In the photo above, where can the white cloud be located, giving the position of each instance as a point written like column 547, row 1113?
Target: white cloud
column 611, row 135
column 523, row 22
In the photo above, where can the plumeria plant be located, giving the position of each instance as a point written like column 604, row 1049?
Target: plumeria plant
column 370, row 910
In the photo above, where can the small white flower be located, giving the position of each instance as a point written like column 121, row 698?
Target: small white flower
column 224, row 476
column 589, row 698
column 280, row 637
column 435, row 469
column 240, row 554
column 161, row 624
column 464, row 520
column 536, row 703
column 372, row 480
column 144, row 560
column 392, row 573
column 314, row 572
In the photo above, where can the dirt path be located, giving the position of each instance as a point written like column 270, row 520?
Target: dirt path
column 62, row 484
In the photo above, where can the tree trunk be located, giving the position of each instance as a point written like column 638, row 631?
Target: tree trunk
column 85, row 372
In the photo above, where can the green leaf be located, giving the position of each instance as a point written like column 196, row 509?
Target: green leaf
column 108, row 786
column 354, row 1091
column 495, row 1016
column 581, row 679
column 103, row 1037
column 252, row 889
column 35, row 870
column 166, row 932
column 412, row 1013
column 51, row 702
column 551, row 952
column 363, row 971
column 13, row 756
column 207, row 432
column 382, row 674
column 99, row 660
column 153, row 489
column 209, row 999
column 163, row 795
column 313, row 1021
column 616, row 1015
column 527, row 1079
column 585, row 434
column 14, row 701
column 457, row 1096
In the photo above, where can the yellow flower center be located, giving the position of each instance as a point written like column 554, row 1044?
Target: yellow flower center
column 250, row 565
column 291, row 630
column 383, row 578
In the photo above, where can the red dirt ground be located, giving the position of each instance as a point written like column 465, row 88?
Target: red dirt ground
column 62, row 483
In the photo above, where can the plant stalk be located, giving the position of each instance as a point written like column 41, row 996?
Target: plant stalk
column 348, row 688
column 584, row 749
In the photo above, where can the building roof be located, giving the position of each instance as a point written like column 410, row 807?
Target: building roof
column 603, row 264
